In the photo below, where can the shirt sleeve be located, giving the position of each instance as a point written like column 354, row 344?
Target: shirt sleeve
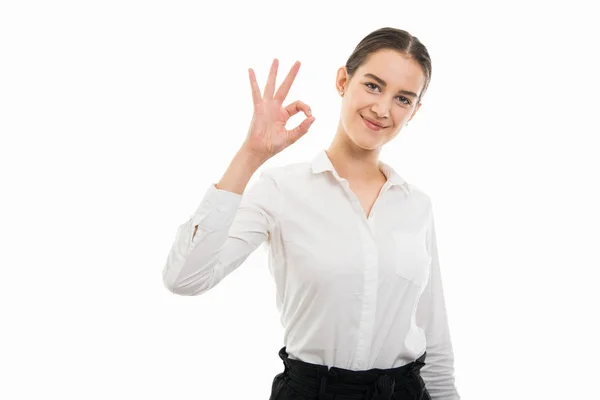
column 438, row 371
column 230, row 227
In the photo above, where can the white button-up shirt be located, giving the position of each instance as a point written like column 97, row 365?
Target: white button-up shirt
column 353, row 292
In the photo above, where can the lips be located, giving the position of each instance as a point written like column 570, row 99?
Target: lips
column 374, row 125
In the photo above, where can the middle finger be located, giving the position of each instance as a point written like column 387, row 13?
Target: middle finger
column 270, row 88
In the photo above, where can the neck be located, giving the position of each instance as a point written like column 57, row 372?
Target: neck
column 354, row 163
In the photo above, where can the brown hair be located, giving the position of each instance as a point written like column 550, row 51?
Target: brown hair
column 395, row 39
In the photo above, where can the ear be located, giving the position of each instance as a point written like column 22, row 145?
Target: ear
column 341, row 79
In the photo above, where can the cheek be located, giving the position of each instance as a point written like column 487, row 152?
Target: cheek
column 351, row 110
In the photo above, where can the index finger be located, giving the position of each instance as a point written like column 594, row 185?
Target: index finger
column 284, row 89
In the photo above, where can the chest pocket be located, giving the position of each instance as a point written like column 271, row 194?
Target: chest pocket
column 411, row 258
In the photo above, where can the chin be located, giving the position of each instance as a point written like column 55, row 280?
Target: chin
column 366, row 143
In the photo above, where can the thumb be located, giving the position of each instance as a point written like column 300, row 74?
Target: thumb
column 301, row 129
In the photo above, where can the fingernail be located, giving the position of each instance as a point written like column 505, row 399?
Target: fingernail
column 309, row 112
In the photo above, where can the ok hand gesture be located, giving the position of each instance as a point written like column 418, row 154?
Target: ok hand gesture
column 267, row 134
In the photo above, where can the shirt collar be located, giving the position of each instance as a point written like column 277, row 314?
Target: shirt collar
column 321, row 163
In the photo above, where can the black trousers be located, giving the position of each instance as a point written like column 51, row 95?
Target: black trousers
column 305, row 381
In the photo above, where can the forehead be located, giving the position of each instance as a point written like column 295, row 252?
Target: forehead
column 394, row 68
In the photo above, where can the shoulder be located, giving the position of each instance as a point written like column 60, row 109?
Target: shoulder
column 416, row 193
column 283, row 173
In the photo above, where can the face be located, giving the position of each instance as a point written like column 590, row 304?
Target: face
column 382, row 90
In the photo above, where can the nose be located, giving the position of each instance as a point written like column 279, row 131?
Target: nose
column 381, row 108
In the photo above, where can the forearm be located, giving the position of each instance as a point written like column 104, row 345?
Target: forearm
column 240, row 170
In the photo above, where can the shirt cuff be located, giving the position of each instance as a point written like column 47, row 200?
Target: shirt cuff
column 217, row 209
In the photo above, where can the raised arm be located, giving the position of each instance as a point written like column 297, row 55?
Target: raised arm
column 230, row 222
column 228, row 227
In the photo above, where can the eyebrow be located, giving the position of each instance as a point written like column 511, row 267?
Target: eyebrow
column 382, row 83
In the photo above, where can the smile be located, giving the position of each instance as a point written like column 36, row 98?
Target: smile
column 371, row 126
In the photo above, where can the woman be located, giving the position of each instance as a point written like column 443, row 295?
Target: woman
column 352, row 246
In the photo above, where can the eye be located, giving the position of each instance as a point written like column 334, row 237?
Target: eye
column 372, row 84
column 407, row 102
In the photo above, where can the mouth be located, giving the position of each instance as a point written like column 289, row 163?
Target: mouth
column 371, row 125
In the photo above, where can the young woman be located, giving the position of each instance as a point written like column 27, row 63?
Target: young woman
column 352, row 245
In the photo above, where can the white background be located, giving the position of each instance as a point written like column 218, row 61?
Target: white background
column 115, row 116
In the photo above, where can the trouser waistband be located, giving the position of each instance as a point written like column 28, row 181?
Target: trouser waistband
column 313, row 380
